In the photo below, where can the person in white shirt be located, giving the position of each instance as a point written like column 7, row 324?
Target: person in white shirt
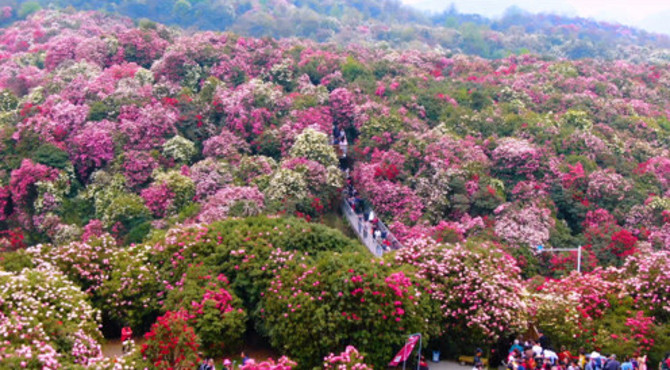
column 551, row 355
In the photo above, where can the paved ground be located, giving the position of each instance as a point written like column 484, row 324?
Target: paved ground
column 447, row 365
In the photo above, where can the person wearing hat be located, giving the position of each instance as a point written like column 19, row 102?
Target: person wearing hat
column 226, row 364
column 597, row 361
column 588, row 364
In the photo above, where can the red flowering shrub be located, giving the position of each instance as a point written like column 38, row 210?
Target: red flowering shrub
column 212, row 309
column 23, row 179
column 171, row 343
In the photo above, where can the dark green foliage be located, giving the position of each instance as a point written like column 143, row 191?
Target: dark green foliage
column 100, row 110
column 137, row 233
column 51, row 156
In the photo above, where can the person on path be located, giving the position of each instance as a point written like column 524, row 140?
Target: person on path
column 642, row 362
column 597, row 360
column 612, row 364
column 564, row 356
column 628, row 364
column 543, row 340
column 516, row 346
column 589, row 364
column 343, row 147
column 126, row 335
column 423, row 365
column 226, row 364
column 478, row 357
column 245, row 358
column 665, row 364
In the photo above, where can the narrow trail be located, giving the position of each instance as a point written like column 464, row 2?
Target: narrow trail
column 364, row 227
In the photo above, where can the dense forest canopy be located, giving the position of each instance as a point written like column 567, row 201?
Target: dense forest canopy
column 388, row 22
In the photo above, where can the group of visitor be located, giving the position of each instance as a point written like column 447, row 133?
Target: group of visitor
column 367, row 220
column 208, row 364
column 539, row 355
column 340, row 140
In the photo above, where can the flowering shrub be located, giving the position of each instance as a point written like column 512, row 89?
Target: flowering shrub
column 179, row 149
column 240, row 201
column 158, row 198
column 46, row 320
column 138, row 167
column 358, row 300
column 171, row 343
column 225, row 145
column 646, row 276
column 350, row 359
column 477, row 288
column 284, row 363
column 91, row 148
column 607, row 187
column 528, row 225
column 213, row 311
column 516, row 157
column 209, row 176
column 315, row 146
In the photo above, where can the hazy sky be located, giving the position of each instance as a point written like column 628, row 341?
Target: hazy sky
column 652, row 15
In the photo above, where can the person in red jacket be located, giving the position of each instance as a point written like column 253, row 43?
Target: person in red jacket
column 126, row 334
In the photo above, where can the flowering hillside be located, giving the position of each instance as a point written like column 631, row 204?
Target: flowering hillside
column 148, row 175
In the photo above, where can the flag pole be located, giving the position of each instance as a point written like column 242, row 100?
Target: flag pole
column 418, row 356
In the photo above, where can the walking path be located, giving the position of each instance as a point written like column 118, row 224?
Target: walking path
column 364, row 228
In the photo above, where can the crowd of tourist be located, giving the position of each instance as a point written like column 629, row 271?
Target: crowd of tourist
column 539, row 355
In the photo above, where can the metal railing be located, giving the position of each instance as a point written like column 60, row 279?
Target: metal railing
column 362, row 228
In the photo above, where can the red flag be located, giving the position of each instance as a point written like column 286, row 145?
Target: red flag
column 405, row 352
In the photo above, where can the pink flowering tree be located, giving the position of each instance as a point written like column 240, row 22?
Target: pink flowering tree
column 342, row 107
column 477, row 288
column 209, row 176
column 147, row 127
column 568, row 309
column 23, row 187
column 647, row 277
column 92, row 148
column 241, row 201
column 226, row 146
column 138, row 167
column 607, row 188
column 523, row 224
column 517, row 159
column 158, row 198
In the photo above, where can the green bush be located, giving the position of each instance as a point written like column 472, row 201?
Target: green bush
column 216, row 312
column 344, row 299
column 15, row 261
column 51, row 156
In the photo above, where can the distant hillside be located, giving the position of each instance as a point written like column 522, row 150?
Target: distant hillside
column 387, row 22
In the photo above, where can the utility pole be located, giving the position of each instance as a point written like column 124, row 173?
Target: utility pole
column 540, row 249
